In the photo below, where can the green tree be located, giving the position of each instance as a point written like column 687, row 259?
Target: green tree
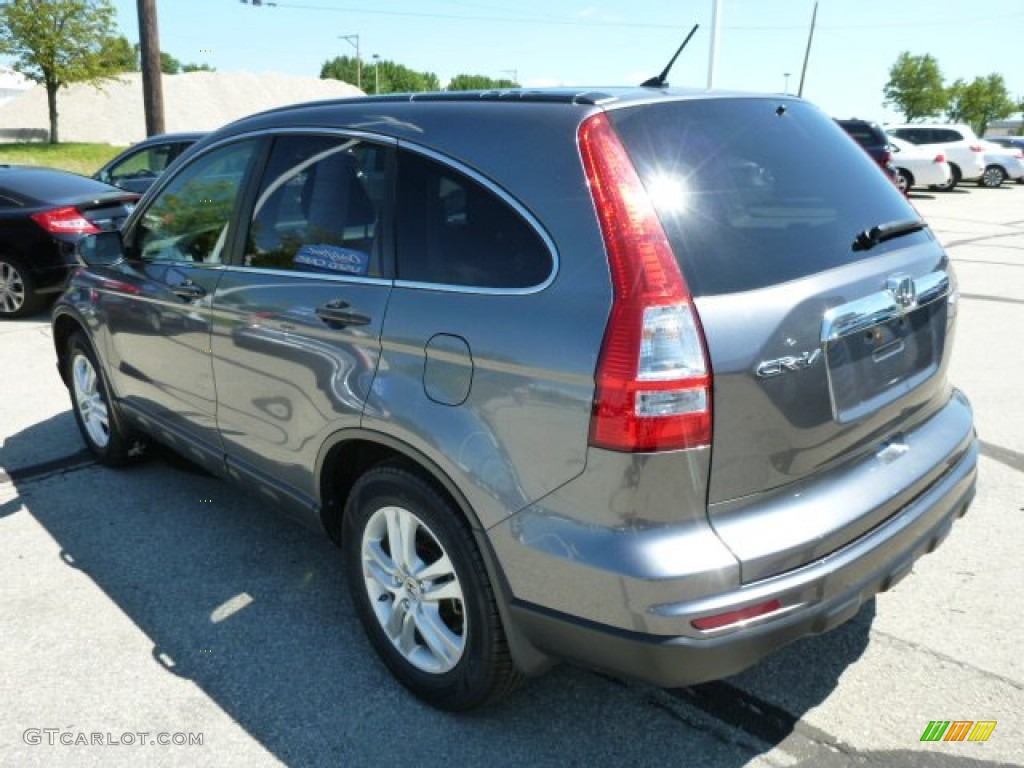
column 479, row 83
column 168, row 64
column 388, row 76
column 193, row 67
column 915, row 87
column 119, row 55
column 56, row 42
column 980, row 102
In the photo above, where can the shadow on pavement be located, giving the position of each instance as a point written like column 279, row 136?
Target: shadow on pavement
column 252, row 608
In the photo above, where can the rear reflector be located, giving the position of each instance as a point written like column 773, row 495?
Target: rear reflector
column 735, row 617
column 65, row 221
column 940, row 158
column 653, row 379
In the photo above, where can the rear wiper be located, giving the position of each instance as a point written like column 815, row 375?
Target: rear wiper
column 869, row 238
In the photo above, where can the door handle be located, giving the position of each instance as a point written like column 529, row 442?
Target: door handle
column 338, row 314
column 188, row 290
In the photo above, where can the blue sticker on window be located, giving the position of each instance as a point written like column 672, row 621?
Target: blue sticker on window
column 332, row 258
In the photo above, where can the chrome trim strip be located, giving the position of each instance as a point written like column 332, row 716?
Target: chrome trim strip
column 881, row 307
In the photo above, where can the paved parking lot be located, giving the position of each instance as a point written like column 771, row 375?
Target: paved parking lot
column 163, row 602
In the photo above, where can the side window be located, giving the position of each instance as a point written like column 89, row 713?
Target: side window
column 319, row 207
column 946, row 135
column 452, row 230
column 189, row 219
column 145, row 164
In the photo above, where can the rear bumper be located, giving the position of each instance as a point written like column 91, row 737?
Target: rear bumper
column 812, row 598
column 818, row 597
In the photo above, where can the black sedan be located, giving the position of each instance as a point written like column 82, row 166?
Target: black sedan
column 43, row 213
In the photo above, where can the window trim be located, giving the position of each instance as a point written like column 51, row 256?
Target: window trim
column 256, row 161
column 504, row 196
column 249, row 198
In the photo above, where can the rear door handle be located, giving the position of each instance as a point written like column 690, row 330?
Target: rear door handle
column 188, row 290
column 338, row 314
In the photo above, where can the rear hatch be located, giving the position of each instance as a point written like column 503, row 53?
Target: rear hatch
column 825, row 338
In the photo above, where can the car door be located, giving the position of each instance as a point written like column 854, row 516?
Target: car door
column 297, row 319
column 157, row 304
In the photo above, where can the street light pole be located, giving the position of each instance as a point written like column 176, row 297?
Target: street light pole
column 359, row 62
column 376, row 73
column 785, row 87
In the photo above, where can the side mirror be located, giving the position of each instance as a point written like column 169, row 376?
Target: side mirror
column 100, row 249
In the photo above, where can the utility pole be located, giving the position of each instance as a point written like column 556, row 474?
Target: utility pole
column 359, row 62
column 716, row 25
column 807, row 53
column 152, row 87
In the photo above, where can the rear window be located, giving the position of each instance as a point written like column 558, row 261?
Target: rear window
column 755, row 192
column 865, row 134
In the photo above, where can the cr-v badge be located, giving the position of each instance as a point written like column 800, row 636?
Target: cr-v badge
column 770, row 368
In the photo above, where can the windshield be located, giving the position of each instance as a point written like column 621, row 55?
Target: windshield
column 757, row 191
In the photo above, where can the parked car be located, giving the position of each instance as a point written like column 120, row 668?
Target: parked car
column 874, row 141
column 1010, row 142
column 1001, row 164
column 960, row 145
column 43, row 212
column 141, row 164
column 920, row 166
column 560, row 386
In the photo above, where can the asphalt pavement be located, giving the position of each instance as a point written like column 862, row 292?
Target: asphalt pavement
column 158, row 616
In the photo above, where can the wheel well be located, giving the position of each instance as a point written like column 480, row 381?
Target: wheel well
column 63, row 328
column 908, row 174
column 957, row 175
column 347, row 461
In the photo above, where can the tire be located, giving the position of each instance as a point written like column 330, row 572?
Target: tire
column 18, row 296
column 993, row 177
column 102, row 428
column 904, row 180
column 429, row 613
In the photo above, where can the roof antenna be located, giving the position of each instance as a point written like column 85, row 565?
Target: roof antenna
column 661, row 80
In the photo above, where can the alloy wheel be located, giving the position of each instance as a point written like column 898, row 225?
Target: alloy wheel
column 89, row 400
column 12, row 288
column 414, row 590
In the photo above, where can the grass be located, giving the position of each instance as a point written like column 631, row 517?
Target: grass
column 78, row 158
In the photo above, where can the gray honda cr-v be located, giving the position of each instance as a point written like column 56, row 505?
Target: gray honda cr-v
column 650, row 380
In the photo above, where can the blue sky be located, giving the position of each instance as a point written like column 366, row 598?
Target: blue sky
column 609, row 43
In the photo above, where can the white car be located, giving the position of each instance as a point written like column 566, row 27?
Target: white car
column 1001, row 163
column 963, row 149
column 920, row 166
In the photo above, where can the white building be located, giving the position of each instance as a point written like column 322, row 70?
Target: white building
column 12, row 84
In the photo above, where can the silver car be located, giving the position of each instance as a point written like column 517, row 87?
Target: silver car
column 619, row 377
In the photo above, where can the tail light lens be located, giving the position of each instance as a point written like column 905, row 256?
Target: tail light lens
column 977, row 148
column 940, row 158
column 886, row 157
column 653, row 379
column 65, row 221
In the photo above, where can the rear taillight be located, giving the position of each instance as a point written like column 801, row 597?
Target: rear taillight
column 64, row 221
column 939, row 158
column 977, row 148
column 653, row 379
column 886, row 157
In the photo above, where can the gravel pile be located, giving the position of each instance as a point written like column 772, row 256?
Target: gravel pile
column 195, row 101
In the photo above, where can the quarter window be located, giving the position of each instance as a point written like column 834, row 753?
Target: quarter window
column 145, row 164
column 190, row 218
column 319, row 207
column 452, row 230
